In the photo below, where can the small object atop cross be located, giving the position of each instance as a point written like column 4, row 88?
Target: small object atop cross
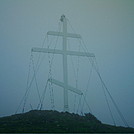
column 62, row 17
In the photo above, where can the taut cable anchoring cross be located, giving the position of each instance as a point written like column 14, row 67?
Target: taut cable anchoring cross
column 64, row 52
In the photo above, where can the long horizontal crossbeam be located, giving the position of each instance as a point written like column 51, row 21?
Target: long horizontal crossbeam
column 71, row 35
column 56, row 51
column 61, row 84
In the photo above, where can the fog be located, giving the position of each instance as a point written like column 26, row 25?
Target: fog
column 107, row 28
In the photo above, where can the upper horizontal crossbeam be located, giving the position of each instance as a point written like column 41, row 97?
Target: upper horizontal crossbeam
column 62, row 34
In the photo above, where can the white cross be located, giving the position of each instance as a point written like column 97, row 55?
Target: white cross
column 64, row 52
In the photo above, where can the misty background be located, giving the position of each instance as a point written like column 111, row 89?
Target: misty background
column 107, row 28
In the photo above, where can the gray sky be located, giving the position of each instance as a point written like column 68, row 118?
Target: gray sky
column 107, row 27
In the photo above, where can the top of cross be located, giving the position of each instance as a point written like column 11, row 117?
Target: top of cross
column 62, row 17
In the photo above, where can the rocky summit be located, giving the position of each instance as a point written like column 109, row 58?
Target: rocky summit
column 54, row 121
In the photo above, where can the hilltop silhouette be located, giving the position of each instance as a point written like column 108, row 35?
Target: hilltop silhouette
column 54, row 121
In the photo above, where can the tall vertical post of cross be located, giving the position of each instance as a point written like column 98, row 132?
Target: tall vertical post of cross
column 65, row 70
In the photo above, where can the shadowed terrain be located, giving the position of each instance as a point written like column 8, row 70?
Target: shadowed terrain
column 54, row 121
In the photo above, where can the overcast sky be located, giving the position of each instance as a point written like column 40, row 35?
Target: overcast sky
column 107, row 28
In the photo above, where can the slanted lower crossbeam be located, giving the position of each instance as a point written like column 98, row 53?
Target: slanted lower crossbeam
column 64, row 52
column 61, row 84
